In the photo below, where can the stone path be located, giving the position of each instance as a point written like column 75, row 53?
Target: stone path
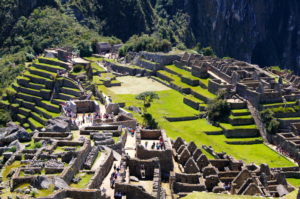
column 106, row 182
column 130, row 146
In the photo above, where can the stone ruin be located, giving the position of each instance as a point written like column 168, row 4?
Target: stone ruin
column 247, row 80
column 223, row 175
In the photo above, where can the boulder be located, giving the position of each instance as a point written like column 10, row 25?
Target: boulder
column 134, row 179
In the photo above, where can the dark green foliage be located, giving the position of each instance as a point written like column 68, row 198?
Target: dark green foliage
column 218, row 110
column 145, row 43
column 149, row 121
column 208, row 51
column 37, row 145
column 50, row 28
column 4, row 117
column 147, row 98
column 271, row 123
column 13, row 149
column 77, row 68
column 10, row 68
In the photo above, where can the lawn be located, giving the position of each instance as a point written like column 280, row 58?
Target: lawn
column 171, row 104
column 293, row 181
column 85, row 179
column 205, row 195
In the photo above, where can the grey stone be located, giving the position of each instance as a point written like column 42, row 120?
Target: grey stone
column 134, row 179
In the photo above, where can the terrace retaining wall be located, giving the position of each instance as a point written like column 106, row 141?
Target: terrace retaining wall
column 102, row 171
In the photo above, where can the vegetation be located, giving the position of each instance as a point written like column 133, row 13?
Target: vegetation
column 148, row 98
column 4, row 117
column 218, row 110
column 145, row 43
column 170, row 104
column 270, row 121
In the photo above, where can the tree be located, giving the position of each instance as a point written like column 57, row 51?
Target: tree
column 208, row 51
column 218, row 110
column 271, row 123
column 147, row 98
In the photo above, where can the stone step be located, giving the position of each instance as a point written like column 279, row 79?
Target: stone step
column 28, row 97
column 48, row 67
column 34, row 124
column 42, row 73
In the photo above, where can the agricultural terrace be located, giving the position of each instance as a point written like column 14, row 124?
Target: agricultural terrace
column 171, row 104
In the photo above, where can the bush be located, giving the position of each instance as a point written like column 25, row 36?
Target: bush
column 208, row 51
column 38, row 145
column 149, row 121
column 145, row 43
column 4, row 117
column 271, row 123
column 218, row 110
column 13, row 149
column 77, row 68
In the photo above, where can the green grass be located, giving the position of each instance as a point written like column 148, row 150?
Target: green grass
column 47, row 112
column 230, row 127
column 290, row 118
column 186, row 74
column 205, row 195
column 35, row 123
column 50, row 104
column 98, row 68
column 85, row 179
column 294, row 181
column 171, row 104
column 241, row 117
column 48, row 65
column 240, row 110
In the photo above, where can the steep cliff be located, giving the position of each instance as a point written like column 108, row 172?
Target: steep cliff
column 265, row 32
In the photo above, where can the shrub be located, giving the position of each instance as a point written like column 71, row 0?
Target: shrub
column 271, row 123
column 77, row 68
column 38, row 145
column 145, row 43
column 149, row 121
column 208, row 51
column 218, row 110
column 4, row 117
column 13, row 149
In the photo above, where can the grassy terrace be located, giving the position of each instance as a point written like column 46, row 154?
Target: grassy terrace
column 186, row 74
column 240, row 111
column 48, row 65
column 171, row 104
column 177, row 80
column 229, row 126
column 277, row 104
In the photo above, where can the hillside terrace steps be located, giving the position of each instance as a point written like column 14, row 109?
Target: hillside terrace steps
column 35, row 89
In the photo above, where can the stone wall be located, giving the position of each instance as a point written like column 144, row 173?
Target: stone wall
column 286, row 123
column 185, row 187
column 150, row 134
column 53, row 62
column 77, row 194
column 133, row 191
column 214, row 85
column 241, row 133
column 102, row 171
column 72, row 169
column 161, row 58
column 179, row 119
column 191, row 103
